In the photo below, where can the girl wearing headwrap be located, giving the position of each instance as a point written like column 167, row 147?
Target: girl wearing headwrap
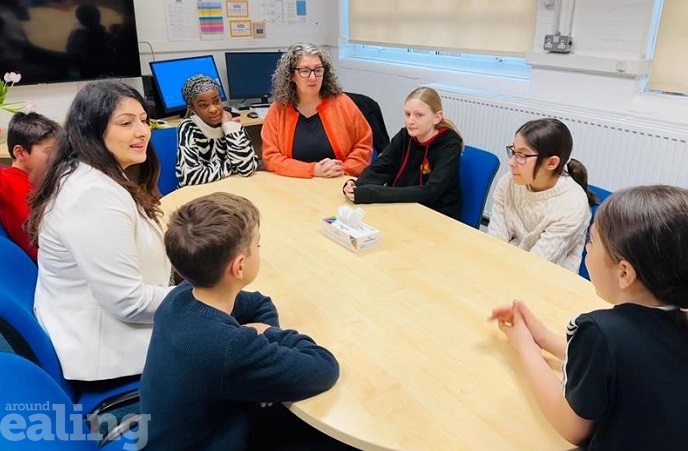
column 211, row 146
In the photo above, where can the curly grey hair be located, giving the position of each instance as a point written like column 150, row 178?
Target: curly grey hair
column 198, row 84
column 283, row 86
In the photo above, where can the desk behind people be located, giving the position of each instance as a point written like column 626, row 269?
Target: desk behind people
column 421, row 366
column 252, row 126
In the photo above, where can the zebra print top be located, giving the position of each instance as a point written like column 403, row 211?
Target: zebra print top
column 206, row 154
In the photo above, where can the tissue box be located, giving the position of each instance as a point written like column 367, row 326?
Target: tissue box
column 356, row 240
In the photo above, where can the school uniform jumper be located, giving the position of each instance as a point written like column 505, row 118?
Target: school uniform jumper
column 412, row 171
column 205, row 373
column 15, row 188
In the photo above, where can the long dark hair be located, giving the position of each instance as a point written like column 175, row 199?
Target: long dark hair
column 648, row 227
column 549, row 137
column 83, row 141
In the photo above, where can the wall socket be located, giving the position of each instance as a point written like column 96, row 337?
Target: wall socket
column 557, row 43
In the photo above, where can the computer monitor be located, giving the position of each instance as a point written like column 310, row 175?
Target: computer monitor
column 170, row 75
column 249, row 74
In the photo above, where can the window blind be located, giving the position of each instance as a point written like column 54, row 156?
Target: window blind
column 669, row 68
column 485, row 26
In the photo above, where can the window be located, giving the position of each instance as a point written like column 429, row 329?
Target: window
column 669, row 69
column 489, row 27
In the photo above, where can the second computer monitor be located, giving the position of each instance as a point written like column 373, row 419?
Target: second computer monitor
column 249, row 74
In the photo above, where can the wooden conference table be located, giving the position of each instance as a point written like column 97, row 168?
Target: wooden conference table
column 421, row 367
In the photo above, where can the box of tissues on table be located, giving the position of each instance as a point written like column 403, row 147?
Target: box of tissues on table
column 348, row 229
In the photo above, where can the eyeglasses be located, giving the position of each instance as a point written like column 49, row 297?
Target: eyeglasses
column 305, row 72
column 521, row 158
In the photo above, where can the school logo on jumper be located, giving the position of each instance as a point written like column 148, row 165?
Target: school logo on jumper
column 425, row 167
column 50, row 422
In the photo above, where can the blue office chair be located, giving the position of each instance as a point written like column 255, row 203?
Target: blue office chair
column 25, row 336
column 18, row 273
column 164, row 141
column 32, row 398
column 602, row 194
column 477, row 170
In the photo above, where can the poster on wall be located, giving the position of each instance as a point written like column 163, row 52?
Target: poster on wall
column 289, row 12
column 237, row 9
column 181, row 22
column 211, row 20
column 240, row 29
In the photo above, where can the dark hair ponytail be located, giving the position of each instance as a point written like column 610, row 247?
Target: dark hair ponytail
column 579, row 173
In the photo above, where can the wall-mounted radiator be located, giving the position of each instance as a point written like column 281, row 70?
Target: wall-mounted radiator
column 618, row 151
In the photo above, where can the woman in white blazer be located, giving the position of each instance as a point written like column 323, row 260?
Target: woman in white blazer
column 102, row 268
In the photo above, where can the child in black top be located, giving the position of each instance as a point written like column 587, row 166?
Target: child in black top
column 420, row 164
column 625, row 368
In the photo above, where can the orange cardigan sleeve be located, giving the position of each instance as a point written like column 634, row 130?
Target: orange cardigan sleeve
column 278, row 137
column 358, row 137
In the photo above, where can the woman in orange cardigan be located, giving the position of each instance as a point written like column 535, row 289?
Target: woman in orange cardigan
column 313, row 129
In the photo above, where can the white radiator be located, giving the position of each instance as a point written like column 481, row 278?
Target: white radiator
column 618, row 151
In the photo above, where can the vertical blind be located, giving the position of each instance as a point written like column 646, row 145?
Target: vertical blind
column 474, row 26
column 669, row 69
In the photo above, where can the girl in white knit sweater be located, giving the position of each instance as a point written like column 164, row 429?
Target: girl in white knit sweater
column 542, row 205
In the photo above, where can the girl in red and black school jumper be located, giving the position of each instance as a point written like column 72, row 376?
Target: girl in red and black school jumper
column 420, row 164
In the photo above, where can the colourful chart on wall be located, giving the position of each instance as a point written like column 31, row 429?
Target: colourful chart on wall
column 211, row 20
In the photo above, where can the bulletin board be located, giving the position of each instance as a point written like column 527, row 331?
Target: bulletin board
column 213, row 25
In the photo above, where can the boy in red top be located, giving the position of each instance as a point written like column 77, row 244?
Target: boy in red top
column 31, row 137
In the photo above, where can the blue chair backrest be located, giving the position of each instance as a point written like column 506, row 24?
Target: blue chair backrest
column 21, row 330
column 164, row 141
column 602, row 194
column 18, row 273
column 477, row 170
column 32, row 398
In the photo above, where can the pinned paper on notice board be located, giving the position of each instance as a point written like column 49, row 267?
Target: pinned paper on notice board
column 237, row 8
column 240, row 29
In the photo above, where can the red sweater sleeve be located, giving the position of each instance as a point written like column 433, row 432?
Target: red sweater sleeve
column 14, row 208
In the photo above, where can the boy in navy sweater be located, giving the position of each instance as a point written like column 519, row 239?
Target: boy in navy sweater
column 217, row 354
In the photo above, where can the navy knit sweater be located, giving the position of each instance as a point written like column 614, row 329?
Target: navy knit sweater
column 205, row 372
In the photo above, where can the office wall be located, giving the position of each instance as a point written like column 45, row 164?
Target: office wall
column 53, row 100
column 610, row 41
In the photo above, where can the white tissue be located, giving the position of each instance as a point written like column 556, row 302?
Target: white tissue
column 350, row 217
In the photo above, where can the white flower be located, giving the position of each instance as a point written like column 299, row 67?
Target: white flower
column 12, row 77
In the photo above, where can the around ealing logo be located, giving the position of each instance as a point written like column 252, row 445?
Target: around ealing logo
column 50, row 422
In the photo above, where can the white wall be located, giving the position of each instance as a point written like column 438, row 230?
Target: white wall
column 610, row 36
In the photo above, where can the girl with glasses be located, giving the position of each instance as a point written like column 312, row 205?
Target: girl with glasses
column 624, row 368
column 543, row 204
column 313, row 129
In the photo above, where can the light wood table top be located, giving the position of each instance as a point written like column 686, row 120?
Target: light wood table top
column 421, row 367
